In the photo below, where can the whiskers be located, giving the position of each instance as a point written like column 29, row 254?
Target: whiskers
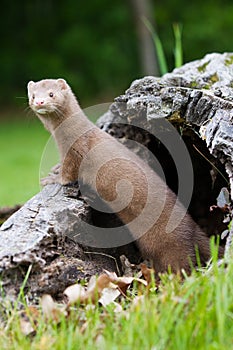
column 58, row 110
column 27, row 108
column 22, row 97
column 29, row 112
column 25, row 102
column 53, row 108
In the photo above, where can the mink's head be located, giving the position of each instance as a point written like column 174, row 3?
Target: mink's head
column 47, row 96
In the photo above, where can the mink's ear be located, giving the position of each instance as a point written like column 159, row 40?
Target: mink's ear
column 62, row 83
column 30, row 85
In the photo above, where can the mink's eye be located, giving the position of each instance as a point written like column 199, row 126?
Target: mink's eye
column 33, row 96
column 50, row 94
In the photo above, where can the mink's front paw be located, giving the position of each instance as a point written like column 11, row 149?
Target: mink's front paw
column 53, row 176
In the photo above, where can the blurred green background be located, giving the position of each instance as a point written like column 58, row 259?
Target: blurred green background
column 99, row 47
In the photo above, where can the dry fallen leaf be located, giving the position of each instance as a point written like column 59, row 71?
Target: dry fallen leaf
column 147, row 273
column 95, row 288
column 50, row 309
column 77, row 293
column 118, row 308
column 104, row 289
column 74, row 293
column 26, row 326
column 108, row 295
column 124, row 282
column 28, row 320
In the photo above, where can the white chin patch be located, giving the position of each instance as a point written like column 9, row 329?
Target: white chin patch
column 41, row 111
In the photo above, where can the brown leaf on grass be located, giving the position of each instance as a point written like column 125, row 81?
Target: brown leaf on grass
column 95, row 288
column 98, row 283
column 50, row 309
column 28, row 320
column 118, row 308
column 77, row 293
column 26, row 327
column 109, row 295
column 74, row 293
column 103, row 289
column 124, row 282
column 147, row 273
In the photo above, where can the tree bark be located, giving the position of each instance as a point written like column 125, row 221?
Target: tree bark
column 144, row 9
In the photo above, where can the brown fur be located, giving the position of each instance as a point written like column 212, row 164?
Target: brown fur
column 83, row 147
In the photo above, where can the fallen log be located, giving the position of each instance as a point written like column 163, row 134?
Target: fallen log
column 6, row 212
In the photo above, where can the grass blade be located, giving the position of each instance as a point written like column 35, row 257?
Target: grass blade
column 178, row 51
column 159, row 47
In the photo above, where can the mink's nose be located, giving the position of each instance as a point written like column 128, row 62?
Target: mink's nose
column 40, row 102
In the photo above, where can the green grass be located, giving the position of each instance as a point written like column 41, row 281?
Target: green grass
column 194, row 314
column 21, row 144
column 178, row 49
